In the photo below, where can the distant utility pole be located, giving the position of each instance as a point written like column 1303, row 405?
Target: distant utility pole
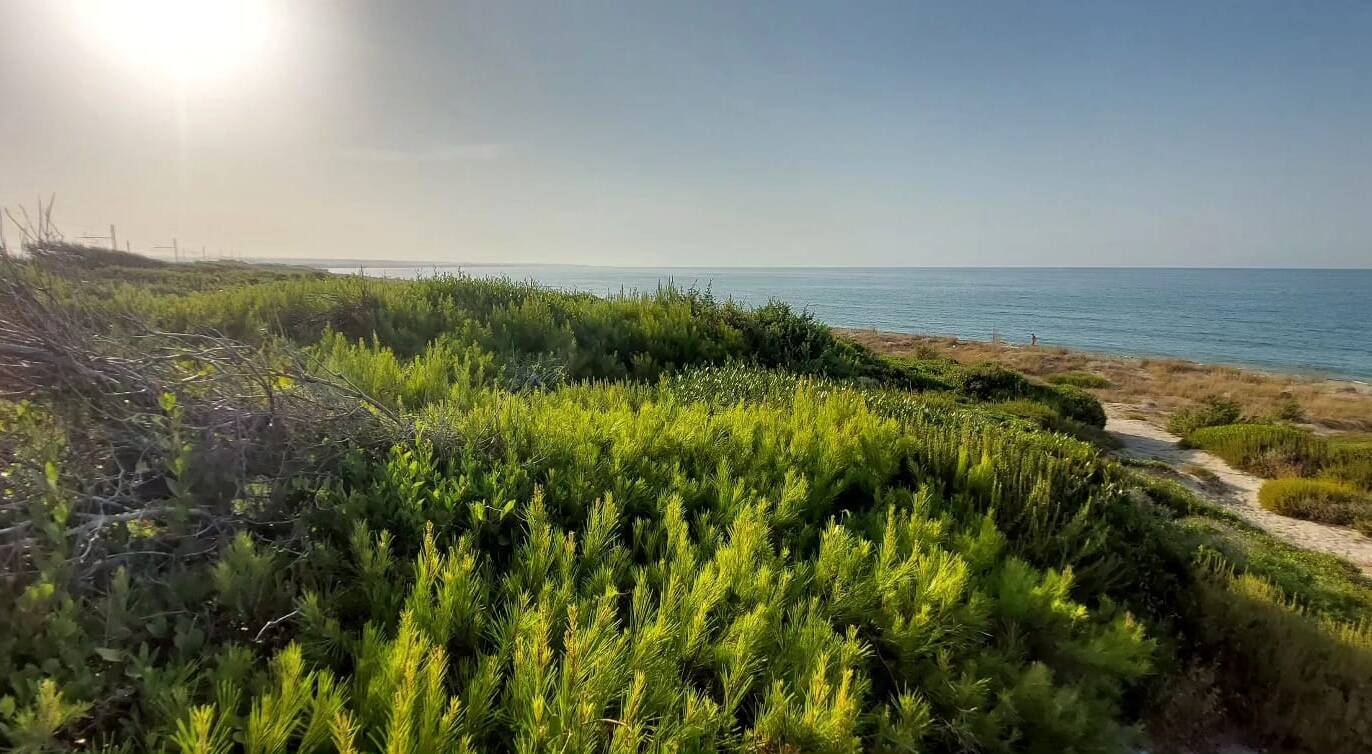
column 175, row 250
column 112, row 238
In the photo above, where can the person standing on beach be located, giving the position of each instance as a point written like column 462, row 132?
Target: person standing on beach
column 1033, row 339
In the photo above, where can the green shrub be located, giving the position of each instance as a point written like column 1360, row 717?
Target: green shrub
column 1040, row 414
column 638, row 336
column 1080, row 379
column 444, row 369
column 763, row 576
column 1303, row 682
column 1289, row 410
column 1269, row 450
column 987, row 381
column 1078, row 405
column 1211, row 411
column 1349, row 458
column 1354, row 470
column 1322, row 500
column 1321, row 585
column 1050, row 418
column 1275, row 450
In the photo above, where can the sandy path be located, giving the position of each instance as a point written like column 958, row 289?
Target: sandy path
column 1237, row 491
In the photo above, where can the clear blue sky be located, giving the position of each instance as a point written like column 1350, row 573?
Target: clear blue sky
column 644, row 133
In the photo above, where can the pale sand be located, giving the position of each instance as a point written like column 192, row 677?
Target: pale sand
column 1234, row 490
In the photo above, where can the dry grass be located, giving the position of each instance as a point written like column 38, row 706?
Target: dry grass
column 1162, row 385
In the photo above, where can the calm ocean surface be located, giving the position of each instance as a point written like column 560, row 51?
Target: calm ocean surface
column 1291, row 320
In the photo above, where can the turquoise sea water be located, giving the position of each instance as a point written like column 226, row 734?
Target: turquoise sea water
column 1316, row 321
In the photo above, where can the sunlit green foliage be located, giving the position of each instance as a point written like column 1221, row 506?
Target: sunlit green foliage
column 1210, row 411
column 1079, row 379
column 525, row 336
column 1324, row 500
column 651, row 523
column 720, row 578
column 1269, row 450
column 1277, row 450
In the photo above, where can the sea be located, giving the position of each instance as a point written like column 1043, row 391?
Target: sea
column 1316, row 322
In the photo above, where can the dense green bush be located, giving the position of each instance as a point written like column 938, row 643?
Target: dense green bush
column 1283, row 629
column 1080, row 379
column 988, row 381
column 1269, row 450
column 1349, row 458
column 1323, row 500
column 537, row 337
column 629, row 336
column 1311, row 689
column 84, row 270
column 1289, row 410
column 810, row 575
column 1078, row 405
column 1047, row 417
column 1211, row 411
column 1276, row 450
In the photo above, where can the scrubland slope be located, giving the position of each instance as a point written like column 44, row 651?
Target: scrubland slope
column 295, row 513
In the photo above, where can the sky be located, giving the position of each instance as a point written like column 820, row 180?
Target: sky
column 700, row 133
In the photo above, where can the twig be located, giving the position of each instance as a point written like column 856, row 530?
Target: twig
column 274, row 622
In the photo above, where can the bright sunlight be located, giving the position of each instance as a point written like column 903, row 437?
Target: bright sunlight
column 191, row 41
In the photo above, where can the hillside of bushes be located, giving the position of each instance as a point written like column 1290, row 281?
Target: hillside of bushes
column 297, row 513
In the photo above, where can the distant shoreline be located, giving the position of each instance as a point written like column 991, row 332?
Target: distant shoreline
column 1157, row 385
column 1314, row 375
column 331, row 264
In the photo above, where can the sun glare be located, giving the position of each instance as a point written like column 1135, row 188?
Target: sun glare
column 190, row 41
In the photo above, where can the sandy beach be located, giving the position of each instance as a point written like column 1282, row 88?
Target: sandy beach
column 1154, row 387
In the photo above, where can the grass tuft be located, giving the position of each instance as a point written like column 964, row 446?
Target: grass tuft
column 1080, row 379
column 1324, row 500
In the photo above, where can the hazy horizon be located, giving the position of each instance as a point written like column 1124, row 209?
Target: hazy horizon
column 1170, row 135
column 405, row 263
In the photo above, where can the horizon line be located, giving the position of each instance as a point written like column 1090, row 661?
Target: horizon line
column 381, row 263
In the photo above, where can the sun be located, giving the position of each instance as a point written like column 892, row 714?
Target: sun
column 189, row 41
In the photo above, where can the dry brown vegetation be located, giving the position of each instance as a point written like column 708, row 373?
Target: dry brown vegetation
column 1158, row 385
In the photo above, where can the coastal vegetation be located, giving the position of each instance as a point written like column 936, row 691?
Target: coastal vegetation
column 1211, row 411
column 286, row 512
column 1320, row 478
column 1158, row 386
column 1079, row 379
column 1268, row 450
column 1325, row 500
column 1282, row 450
column 1288, row 429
